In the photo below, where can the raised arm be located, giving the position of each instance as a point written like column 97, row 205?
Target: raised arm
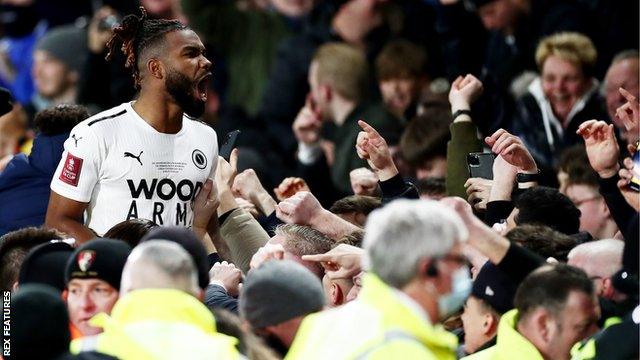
column 304, row 209
column 464, row 138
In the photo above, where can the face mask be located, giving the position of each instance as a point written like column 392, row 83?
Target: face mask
column 461, row 288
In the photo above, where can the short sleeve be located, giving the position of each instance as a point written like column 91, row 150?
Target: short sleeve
column 79, row 168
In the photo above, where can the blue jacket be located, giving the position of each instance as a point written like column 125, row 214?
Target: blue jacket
column 24, row 184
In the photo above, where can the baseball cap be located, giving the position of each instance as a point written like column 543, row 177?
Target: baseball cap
column 494, row 287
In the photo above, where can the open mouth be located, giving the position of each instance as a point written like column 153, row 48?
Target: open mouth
column 202, row 87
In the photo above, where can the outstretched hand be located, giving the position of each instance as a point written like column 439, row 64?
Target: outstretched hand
column 371, row 146
column 602, row 147
column 341, row 262
column 289, row 187
column 226, row 171
column 512, row 150
column 302, row 208
column 481, row 237
column 363, row 181
column 629, row 113
column 464, row 91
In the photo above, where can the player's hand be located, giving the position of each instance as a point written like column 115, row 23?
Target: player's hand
column 205, row 205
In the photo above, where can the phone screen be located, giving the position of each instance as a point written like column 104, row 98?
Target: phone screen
column 635, row 180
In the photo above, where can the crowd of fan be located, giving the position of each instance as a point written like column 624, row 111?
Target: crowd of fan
column 343, row 233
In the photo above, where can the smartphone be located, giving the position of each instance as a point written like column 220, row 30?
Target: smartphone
column 480, row 165
column 635, row 180
column 229, row 144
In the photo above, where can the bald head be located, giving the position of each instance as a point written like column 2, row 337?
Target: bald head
column 624, row 72
column 159, row 264
column 600, row 258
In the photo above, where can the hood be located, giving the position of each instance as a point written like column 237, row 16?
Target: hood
column 47, row 151
column 548, row 117
column 535, row 89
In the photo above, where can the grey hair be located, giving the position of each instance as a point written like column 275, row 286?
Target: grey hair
column 401, row 234
column 600, row 258
column 303, row 240
column 624, row 55
column 165, row 265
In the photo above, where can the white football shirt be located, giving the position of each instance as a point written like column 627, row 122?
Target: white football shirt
column 125, row 169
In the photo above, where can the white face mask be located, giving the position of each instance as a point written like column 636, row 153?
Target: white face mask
column 460, row 289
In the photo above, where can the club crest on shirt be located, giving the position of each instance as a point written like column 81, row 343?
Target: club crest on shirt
column 199, row 159
column 70, row 173
column 85, row 259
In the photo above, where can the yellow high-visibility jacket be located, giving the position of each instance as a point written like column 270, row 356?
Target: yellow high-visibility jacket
column 510, row 344
column 158, row 324
column 378, row 325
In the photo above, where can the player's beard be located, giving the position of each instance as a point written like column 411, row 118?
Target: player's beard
column 182, row 90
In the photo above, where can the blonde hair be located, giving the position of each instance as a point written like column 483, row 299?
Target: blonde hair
column 569, row 46
column 343, row 67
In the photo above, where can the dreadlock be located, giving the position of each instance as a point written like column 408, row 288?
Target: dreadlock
column 137, row 33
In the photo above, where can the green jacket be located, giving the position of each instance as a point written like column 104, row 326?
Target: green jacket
column 510, row 344
column 378, row 325
column 246, row 39
column 464, row 140
column 158, row 324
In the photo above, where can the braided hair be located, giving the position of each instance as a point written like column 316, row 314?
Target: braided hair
column 137, row 33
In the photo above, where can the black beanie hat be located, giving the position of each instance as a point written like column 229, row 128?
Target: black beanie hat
column 99, row 258
column 39, row 323
column 188, row 240
column 46, row 264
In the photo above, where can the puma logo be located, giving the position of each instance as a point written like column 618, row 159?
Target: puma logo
column 128, row 154
column 75, row 139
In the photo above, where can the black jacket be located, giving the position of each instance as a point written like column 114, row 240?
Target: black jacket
column 529, row 124
column 469, row 48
